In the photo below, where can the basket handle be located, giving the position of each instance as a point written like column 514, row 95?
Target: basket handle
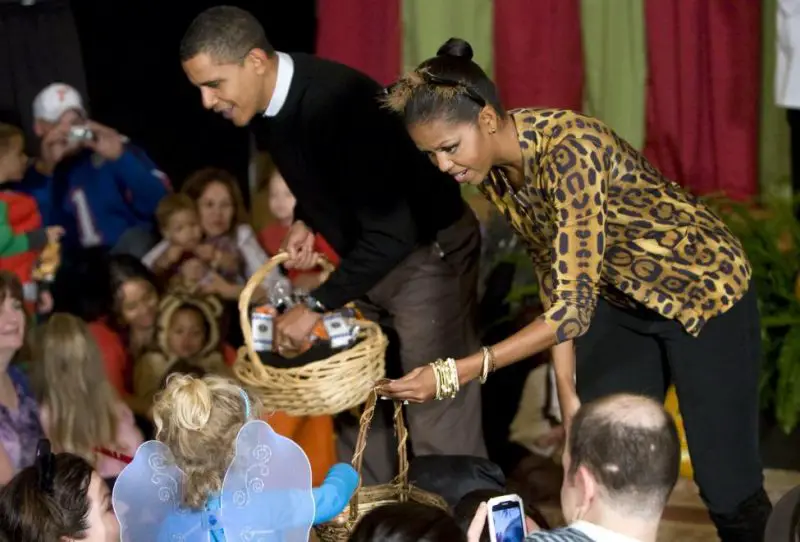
column 401, row 432
column 255, row 281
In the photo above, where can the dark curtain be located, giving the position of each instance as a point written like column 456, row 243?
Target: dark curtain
column 703, row 93
column 136, row 83
column 538, row 58
column 38, row 46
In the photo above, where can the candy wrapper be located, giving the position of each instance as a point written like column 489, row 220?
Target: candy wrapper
column 48, row 263
column 337, row 330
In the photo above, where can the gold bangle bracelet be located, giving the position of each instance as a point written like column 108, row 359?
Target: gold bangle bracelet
column 485, row 365
column 446, row 374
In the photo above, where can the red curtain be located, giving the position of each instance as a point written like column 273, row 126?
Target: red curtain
column 703, row 93
column 364, row 34
column 538, row 60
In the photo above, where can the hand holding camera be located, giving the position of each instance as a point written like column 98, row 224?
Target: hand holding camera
column 103, row 140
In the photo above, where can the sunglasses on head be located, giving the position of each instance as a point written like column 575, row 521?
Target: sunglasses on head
column 438, row 81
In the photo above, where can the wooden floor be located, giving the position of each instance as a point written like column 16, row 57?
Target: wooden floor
column 686, row 518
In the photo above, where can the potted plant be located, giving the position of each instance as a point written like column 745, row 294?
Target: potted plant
column 771, row 239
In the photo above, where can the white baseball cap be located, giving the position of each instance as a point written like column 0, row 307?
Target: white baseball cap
column 55, row 100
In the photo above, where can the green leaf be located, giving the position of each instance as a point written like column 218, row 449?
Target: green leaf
column 787, row 388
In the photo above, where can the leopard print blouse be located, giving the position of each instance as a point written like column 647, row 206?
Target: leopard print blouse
column 598, row 219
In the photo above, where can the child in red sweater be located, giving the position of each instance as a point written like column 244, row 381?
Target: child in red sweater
column 281, row 205
column 22, row 236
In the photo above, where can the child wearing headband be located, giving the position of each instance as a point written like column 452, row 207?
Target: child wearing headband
column 203, row 424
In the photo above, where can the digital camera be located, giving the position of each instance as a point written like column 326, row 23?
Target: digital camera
column 79, row 134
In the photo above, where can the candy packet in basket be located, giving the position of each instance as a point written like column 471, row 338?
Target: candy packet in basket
column 336, row 330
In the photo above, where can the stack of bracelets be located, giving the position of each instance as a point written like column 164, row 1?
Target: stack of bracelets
column 446, row 374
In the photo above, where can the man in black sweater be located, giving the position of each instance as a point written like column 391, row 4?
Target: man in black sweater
column 409, row 245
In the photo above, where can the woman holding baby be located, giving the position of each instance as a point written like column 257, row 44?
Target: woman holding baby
column 207, row 224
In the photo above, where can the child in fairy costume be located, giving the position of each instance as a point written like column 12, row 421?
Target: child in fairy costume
column 217, row 473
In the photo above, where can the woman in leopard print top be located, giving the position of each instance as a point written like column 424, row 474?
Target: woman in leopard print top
column 642, row 284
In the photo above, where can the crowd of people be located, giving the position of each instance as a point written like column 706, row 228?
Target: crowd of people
column 119, row 322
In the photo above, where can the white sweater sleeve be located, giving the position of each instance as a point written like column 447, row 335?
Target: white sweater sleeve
column 253, row 255
column 155, row 253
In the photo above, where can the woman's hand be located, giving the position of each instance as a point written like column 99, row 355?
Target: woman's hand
column 418, row 386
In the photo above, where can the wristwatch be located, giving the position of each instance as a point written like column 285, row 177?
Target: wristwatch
column 315, row 305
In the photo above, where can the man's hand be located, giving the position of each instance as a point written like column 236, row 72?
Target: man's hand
column 107, row 142
column 299, row 244
column 294, row 327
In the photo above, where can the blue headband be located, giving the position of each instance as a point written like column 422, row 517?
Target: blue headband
column 246, row 399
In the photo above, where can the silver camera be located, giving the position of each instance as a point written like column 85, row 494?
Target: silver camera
column 79, row 134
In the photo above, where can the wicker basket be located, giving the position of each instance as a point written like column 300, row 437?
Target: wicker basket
column 366, row 499
column 330, row 386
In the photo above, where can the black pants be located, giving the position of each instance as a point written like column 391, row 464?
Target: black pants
column 716, row 377
column 427, row 305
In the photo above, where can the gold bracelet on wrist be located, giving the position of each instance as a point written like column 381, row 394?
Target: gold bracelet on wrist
column 438, row 380
column 485, row 365
column 446, row 374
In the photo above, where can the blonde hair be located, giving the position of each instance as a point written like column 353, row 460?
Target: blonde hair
column 70, row 380
column 198, row 419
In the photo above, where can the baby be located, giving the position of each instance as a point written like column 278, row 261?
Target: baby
column 187, row 262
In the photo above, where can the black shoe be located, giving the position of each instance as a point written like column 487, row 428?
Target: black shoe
column 748, row 522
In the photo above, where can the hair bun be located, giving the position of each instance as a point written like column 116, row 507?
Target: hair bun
column 456, row 47
column 191, row 401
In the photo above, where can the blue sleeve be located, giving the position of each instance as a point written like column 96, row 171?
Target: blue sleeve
column 335, row 492
column 139, row 177
column 39, row 187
